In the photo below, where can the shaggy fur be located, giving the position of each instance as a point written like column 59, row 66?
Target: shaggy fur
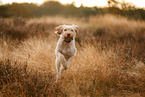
column 65, row 49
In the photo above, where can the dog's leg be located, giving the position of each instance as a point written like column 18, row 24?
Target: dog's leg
column 60, row 59
column 64, row 64
column 68, row 62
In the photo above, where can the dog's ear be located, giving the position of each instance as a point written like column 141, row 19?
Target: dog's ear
column 76, row 28
column 58, row 30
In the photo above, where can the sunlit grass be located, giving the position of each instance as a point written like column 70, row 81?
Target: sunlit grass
column 109, row 59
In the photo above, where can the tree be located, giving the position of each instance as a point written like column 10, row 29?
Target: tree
column 19, row 9
column 127, row 6
column 113, row 3
column 51, row 8
column 114, row 7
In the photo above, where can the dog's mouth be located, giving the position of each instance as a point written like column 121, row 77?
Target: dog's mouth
column 68, row 39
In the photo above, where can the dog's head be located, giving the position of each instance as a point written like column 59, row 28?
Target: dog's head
column 67, row 32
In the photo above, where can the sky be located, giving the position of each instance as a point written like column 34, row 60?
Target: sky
column 89, row 3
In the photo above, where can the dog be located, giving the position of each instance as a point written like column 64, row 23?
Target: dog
column 65, row 49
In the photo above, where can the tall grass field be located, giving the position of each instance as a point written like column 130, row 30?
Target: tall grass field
column 110, row 59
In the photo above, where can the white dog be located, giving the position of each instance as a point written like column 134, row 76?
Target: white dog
column 65, row 49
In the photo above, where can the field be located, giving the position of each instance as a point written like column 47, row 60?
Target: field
column 110, row 59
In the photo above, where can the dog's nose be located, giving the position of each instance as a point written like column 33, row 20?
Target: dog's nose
column 68, row 34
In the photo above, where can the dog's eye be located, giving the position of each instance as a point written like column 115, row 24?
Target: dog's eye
column 72, row 30
column 65, row 29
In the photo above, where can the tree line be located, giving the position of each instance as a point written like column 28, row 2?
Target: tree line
column 51, row 8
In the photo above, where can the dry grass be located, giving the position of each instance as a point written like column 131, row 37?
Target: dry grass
column 109, row 62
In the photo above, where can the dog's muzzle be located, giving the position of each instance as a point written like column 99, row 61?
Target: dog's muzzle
column 68, row 39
